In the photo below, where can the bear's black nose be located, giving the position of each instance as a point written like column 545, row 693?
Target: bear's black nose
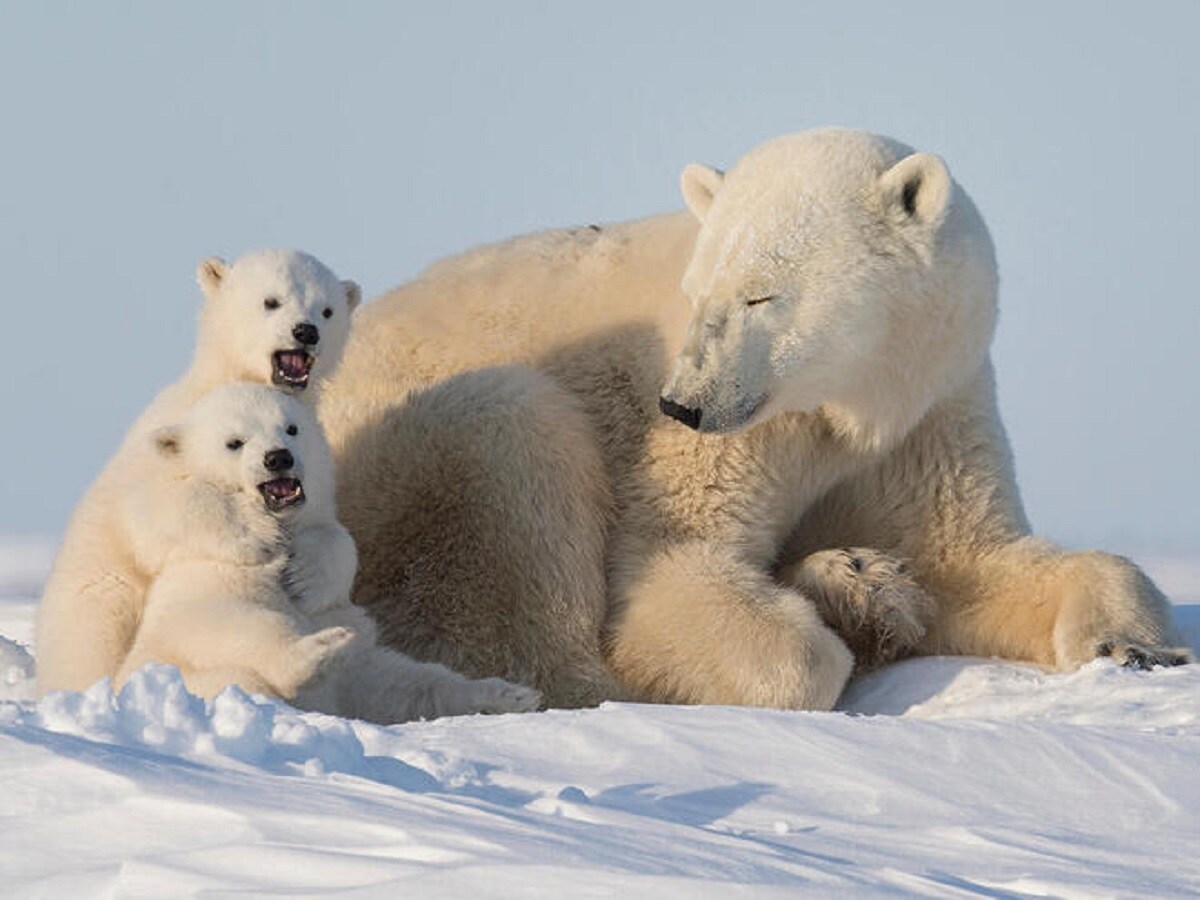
column 278, row 460
column 689, row 417
column 306, row 334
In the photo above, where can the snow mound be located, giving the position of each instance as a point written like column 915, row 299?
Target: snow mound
column 16, row 671
column 179, row 796
column 155, row 712
column 938, row 777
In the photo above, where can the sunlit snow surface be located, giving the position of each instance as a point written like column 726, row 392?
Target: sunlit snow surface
column 942, row 777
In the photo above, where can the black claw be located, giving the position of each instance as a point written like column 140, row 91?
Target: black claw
column 1105, row 649
column 1137, row 659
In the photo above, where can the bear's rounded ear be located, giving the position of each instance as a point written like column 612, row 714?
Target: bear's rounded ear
column 167, row 441
column 917, row 189
column 699, row 185
column 210, row 273
column 353, row 293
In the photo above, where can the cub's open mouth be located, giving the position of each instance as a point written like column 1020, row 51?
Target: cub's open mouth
column 291, row 368
column 280, row 493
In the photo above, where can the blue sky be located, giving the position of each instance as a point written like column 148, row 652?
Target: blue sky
column 139, row 138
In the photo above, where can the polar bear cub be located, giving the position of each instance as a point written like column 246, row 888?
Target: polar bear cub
column 219, row 495
column 223, row 497
column 277, row 317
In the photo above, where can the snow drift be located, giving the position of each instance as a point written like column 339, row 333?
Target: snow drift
column 939, row 777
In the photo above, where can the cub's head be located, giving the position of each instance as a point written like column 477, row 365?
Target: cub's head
column 253, row 440
column 836, row 271
column 274, row 317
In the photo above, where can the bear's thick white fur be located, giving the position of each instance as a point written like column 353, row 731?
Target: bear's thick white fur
column 217, row 607
column 522, row 504
column 93, row 599
column 222, row 495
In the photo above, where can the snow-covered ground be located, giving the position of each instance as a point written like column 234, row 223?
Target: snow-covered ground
column 941, row 777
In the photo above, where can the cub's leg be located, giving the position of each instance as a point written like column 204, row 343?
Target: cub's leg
column 695, row 624
column 207, row 683
column 869, row 598
column 305, row 659
column 387, row 687
column 383, row 686
column 85, row 628
column 208, row 616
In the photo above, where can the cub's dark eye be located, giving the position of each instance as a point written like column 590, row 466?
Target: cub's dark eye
column 759, row 300
column 271, row 303
column 327, row 313
column 235, row 443
column 292, row 430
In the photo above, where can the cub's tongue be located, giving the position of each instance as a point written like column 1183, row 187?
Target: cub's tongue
column 292, row 368
column 280, row 493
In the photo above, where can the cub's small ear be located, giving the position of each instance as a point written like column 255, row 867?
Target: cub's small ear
column 917, row 189
column 167, row 441
column 699, row 185
column 353, row 293
column 210, row 273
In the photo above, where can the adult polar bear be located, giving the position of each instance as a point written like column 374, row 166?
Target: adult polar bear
column 834, row 379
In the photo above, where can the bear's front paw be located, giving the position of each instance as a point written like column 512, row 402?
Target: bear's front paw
column 495, row 695
column 870, row 599
column 1138, row 656
column 1109, row 608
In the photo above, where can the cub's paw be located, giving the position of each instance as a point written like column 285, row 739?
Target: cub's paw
column 495, row 695
column 1140, row 656
column 320, row 568
column 869, row 598
column 311, row 657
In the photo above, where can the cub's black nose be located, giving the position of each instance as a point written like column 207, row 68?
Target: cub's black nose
column 306, row 334
column 278, row 460
column 689, row 417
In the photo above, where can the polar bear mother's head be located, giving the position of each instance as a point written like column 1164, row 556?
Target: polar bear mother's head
column 836, row 271
column 274, row 317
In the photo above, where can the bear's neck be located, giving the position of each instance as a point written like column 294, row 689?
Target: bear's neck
column 756, row 485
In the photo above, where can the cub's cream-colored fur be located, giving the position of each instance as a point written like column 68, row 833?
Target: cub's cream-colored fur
column 817, row 332
column 93, row 600
column 221, row 497
column 217, row 607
